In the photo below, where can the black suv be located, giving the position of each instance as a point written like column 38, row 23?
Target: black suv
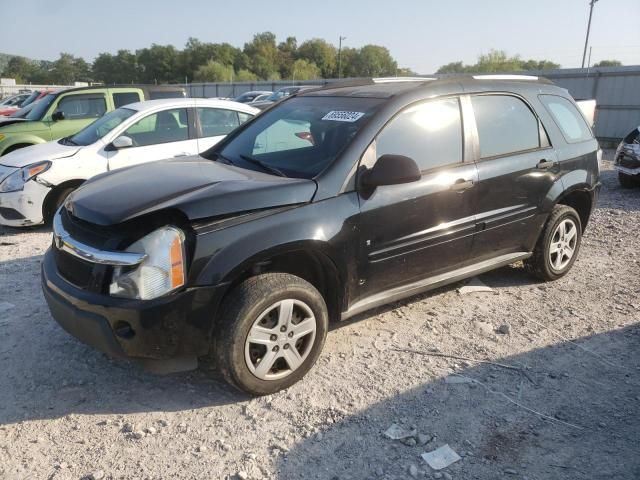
column 331, row 203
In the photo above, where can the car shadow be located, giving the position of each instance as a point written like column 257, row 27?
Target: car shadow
column 573, row 412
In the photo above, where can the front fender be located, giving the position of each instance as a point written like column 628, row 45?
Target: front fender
column 18, row 139
column 324, row 227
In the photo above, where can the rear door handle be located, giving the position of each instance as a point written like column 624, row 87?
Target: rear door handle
column 183, row 154
column 460, row 185
column 542, row 164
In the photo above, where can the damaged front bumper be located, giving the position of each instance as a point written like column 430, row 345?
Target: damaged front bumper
column 24, row 207
column 164, row 335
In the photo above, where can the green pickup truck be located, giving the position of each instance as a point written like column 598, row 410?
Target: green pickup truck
column 65, row 112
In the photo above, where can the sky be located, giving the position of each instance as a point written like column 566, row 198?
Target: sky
column 421, row 34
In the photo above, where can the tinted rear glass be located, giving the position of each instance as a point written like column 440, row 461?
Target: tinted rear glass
column 505, row 125
column 572, row 124
column 301, row 136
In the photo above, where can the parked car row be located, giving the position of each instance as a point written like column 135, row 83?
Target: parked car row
column 13, row 107
column 136, row 133
column 332, row 202
column 263, row 99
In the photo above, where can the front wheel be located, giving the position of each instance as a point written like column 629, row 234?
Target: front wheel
column 271, row 332
column 558, row 245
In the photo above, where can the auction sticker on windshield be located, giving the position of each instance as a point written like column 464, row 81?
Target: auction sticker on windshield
column 339, row 116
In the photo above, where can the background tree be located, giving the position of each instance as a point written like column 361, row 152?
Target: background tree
column 245, row 75
column 20, row 68
column 262, row 54
column 214, row 71
column 305, row 70
column 321, row 53
column 608, row 63
column 121, row 68
column 159, row 64
column 374, row 61
column 498, row 61
column 287, row 52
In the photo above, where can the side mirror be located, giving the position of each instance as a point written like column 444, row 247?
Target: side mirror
column 122, row 142
column 391, row 170
column 57, row 116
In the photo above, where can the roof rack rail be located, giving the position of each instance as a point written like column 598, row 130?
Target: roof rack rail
column 401, row 79
column 532, row 78
column 357, row 82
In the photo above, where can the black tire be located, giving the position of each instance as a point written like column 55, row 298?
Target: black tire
column 54, row 203
column 628, row 181
column 539, row 264
column 242, row 308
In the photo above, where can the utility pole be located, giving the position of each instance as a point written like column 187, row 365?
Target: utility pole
column 586, row 40
column 340, row 56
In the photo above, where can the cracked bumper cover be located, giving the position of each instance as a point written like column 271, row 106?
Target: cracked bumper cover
column 176, row 326
column 24, row 207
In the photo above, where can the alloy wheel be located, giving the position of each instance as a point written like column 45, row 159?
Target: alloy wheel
column 280, row 339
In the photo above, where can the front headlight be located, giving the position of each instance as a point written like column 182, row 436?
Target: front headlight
column 161, row 272
column 17, row 179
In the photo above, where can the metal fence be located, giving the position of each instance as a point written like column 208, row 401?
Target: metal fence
column 616, row 90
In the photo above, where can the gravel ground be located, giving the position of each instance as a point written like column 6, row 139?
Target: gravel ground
column 567, row 408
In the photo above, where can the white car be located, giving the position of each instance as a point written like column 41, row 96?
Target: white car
column 34, row 181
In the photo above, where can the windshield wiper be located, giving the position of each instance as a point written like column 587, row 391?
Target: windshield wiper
column 264, row 166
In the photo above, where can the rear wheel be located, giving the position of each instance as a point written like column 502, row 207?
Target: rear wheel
column 628, row 181
column 558, row 245
column 271, row 332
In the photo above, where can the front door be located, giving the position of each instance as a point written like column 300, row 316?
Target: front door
column 417, row 230
column 79, row 110
column 516, row 168
column 159, row 135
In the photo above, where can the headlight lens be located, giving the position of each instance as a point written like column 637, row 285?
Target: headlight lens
column 161, row 272
column 17, row 179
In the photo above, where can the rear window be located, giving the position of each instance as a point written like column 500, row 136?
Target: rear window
column 570, row 121
column 505, row 125
column 300, row 137
column 125, row 98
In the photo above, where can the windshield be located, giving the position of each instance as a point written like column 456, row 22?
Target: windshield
column 30, row 99
column 300, row 137
column 98, row 129
column 41, row 107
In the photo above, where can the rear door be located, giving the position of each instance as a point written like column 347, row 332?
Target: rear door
column 213, row 124
column 122, row 97
column 159, row 135
column 420, row 229
column 516, row 168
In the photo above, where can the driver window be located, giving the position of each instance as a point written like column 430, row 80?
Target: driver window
column 430, row 133
column 161, row 127
column 82, row 106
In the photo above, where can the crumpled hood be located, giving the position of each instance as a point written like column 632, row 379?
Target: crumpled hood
column 36, row 153
column 198, row 187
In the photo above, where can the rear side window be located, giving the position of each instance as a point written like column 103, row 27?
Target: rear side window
column 430, row 133
column 569, row 120
column 125, row 98
column 82, row 106
column 505, row 125
column 217, row 121
column 162, row 127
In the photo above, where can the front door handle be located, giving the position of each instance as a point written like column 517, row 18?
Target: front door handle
column 183, row 154
column 460, row 185
column 543, row 164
